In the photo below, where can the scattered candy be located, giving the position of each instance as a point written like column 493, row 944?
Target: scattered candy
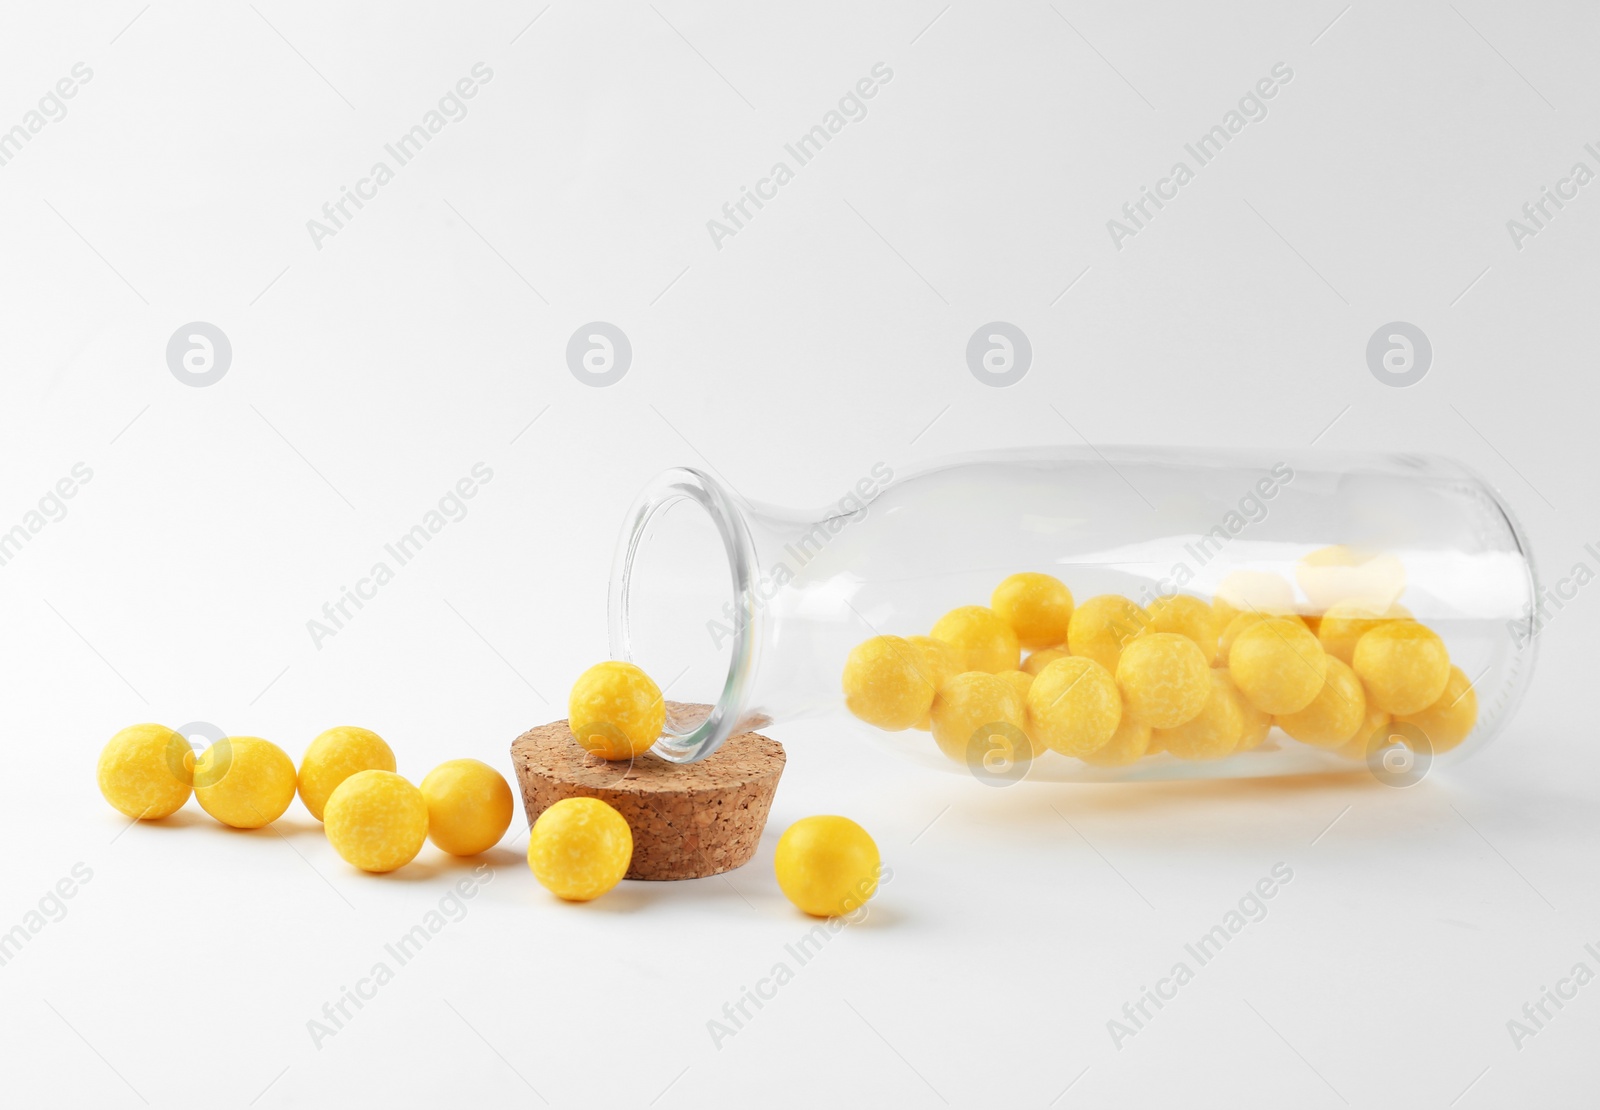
column 580, row 848
column 376, row 820
column 372, row 817
column 827, row 866
column 469, row 806
column 244, row 781
column 146, row 771
column 616, row 711
column 334, row 756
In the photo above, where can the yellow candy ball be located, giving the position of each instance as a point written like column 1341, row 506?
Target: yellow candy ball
column 469, row 806
column 937, row 663
column 376, row 820
column 334, row 756
column 1367, row 736
column 1278, row 665
column 1129, row 744
column 615, row 710
column 1164, row 679
column 146, row 771
column 1037, row 606
column 1074, row 707
column 1243, row 621
column 827, row 866
column 1256, row 723
column 885, row 684
column 580, row 848
column 1341, row 574
column 1101, row 626
column 1039, row 660
column 1021, row 682
column 1335, row 715
column 1251, row 591
column 244, row 781
column 1343, row 624
column 982, row 639
column 1212, row 733
column 1404, row 664
column 1451, row 717
column 979, row 717
column 1186, row 616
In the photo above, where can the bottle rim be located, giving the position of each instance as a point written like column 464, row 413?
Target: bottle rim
column 690, row 736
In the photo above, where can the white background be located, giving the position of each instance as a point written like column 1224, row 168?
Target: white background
column 372, row 373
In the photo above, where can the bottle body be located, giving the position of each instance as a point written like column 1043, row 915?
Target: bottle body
column 1289, row 537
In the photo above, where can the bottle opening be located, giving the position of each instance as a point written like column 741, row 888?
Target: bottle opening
column 677, row 607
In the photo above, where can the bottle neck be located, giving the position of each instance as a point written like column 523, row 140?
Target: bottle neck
column 737, row 610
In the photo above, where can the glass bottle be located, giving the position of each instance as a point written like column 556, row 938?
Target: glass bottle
column 747, row 614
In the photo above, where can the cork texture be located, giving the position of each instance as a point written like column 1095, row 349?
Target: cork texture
column 689, row 820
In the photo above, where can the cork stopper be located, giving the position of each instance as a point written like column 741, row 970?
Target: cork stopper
column 688, row 820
